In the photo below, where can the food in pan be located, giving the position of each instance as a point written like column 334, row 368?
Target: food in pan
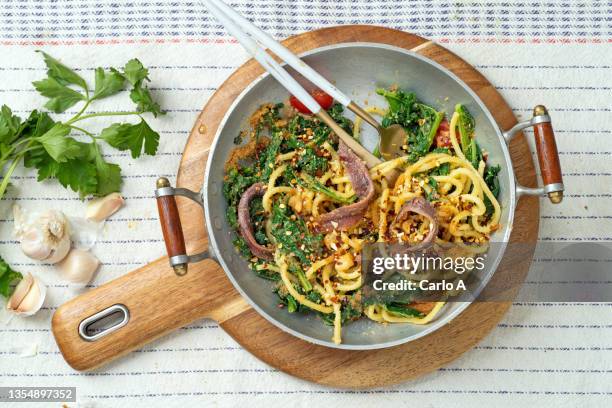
column 304, row 205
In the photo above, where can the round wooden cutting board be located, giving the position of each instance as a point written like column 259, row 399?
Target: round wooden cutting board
column 159, row 303
column 379, row 367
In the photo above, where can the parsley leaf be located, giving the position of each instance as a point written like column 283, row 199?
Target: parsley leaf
column 108, row 177
column 7, row 277
column 107, row 83
column 9, row 124
column 40, row 160
column 134, row 72
column 79, row 174
column 144, row 102
column 61, row 97
column 124, row 136
column 62, row 73
column 59, row 147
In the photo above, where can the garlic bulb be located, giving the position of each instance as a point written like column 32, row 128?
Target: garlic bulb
column 100, row 209
column 28, row 296
column 45, row 236
column 78, row 267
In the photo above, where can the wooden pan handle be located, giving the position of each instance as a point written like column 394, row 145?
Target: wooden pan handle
column 548, row 156
column 171, row 226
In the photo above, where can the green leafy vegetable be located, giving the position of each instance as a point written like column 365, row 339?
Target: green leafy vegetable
column 8, row 277
column 60, row 96
column 135, row 138
column 420, row 121
column 135, row 72
column 466, row 127
column 433, row 194
column 268, row 158
column 491, row 177
column 62, row 73
column 312, row 183
column 235, row 183
column 403, row 109
column 337, row 114
column 292, row 235
column 444, row 168
column 474, row 154
column 107, row 83
column 420, row 141
column 304, row 282
column 49, row 147
column 403, row 310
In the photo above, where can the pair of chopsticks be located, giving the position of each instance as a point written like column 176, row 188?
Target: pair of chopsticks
column 254, row 39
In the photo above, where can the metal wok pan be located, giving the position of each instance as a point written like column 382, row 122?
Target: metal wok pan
column 357, row 69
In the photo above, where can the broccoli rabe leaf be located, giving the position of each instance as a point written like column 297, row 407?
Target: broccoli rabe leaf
column 403, row 310
column 403, row 109
column 337, row 114
column 420, row 121
column 474, row 153
column 491, row 177
column 292, row 235
column 466, row 126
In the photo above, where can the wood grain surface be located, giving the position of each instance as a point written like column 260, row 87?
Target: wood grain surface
column 548, row 156
column 206, row 292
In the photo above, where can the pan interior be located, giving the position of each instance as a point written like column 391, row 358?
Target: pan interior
column 357, row 69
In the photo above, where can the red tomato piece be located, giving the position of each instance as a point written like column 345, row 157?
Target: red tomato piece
column 325, row 100
column 321, row 97
column 443, row 135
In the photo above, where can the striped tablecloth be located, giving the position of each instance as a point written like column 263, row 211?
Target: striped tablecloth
column 541, row 354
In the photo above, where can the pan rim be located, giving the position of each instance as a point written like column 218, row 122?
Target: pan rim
column 447, row 316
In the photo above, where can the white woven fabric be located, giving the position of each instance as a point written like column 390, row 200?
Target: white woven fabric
column 558, row 54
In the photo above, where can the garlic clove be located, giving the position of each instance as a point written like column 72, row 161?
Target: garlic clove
column 33, row 245
column 20, row 292
column 28, row 297
column 100, row 209
column 78, row 267
column 60, row 251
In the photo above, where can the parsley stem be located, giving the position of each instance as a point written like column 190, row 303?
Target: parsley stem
column 83, row 131
column 7, row 175
column 79, row 113
column 95, row 115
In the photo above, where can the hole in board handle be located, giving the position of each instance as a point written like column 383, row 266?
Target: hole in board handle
column 104, row 322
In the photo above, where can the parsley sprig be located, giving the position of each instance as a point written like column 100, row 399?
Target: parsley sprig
column 46, row 145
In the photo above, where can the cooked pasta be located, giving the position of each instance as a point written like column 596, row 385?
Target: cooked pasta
column 304, row 207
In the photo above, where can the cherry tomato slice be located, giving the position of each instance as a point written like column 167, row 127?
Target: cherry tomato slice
column 321, row 97
column 443, row 135
column 325, row 100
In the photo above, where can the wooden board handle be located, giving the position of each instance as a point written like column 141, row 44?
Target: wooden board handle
column 158, row 302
